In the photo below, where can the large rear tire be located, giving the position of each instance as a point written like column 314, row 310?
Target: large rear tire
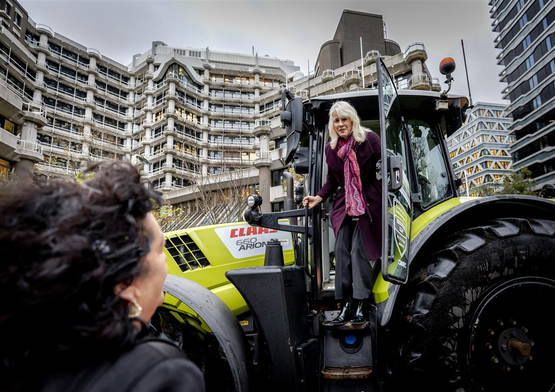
column 477, row 318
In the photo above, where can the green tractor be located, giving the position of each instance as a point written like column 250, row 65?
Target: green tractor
column 462, row 300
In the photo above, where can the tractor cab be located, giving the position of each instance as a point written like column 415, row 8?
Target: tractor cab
column 412, row 126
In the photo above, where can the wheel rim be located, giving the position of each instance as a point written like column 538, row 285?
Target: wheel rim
column 512, row 342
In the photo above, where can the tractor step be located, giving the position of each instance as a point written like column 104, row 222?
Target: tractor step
column 348, row 326
column 347, row 373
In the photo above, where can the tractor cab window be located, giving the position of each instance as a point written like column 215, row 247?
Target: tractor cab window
column 431, row 169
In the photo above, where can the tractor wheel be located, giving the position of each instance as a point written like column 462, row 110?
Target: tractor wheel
column 478, row 318
column 200, row 347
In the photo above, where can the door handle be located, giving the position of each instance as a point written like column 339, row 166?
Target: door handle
column 395, row 174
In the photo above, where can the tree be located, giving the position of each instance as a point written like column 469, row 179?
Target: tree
column 519, row 182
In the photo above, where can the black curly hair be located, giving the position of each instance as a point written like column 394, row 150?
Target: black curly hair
column 64, row 247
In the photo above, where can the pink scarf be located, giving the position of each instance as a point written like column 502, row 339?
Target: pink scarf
column 354, row 203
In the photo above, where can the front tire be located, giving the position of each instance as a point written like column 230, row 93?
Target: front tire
column 476, row 318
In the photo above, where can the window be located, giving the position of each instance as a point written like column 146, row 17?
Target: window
column 18, row 19
column 8, row 8
column 536, row 103
column 276, row 177
column 530, row 62
column 527, row 41
column 432, row 172
column 278, row 206
column 533, row 81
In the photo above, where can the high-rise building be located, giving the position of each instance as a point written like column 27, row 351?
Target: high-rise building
column 526, row 37
column 204, row 125
column 479, row 150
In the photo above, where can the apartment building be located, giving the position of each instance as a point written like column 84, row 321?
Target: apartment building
column 201, row 123
column 526, row 37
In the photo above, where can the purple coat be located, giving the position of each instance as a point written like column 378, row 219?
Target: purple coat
column 368, row 154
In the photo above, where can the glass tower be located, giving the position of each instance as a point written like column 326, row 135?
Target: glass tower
column 526, row 36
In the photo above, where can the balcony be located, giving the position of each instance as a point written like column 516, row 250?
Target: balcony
column 371, row 57
column 327, row 75
column 416, row 51
column 29, row 150
column 303, row 94
column 263, row 159
column 34, row 112
column 352, row 80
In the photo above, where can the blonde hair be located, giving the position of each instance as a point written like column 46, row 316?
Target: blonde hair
column 345, row 109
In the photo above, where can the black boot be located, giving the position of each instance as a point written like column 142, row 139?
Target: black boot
column 344, row 315
column 360, row 315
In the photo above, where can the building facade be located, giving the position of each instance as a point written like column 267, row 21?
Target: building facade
column 526, row 37
column 479, row 150
column 203, row 125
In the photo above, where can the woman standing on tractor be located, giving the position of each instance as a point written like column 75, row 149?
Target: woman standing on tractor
column 352, row 155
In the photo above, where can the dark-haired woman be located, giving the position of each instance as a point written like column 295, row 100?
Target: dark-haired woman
column 81, row 273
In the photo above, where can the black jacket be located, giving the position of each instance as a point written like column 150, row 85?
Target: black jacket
column 150, row 366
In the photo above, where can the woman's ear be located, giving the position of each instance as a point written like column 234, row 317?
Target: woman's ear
column 129, row 293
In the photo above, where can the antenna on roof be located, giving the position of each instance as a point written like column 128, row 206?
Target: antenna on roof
column 308, row 72
column 466, row 71
column 361, row 63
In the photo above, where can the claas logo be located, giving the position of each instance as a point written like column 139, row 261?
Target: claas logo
column 250, row 230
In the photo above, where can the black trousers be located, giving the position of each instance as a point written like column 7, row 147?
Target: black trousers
column 354, row 272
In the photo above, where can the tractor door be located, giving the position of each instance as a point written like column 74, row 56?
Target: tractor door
column 396, row 190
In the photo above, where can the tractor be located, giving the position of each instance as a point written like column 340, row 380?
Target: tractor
column 462, row 298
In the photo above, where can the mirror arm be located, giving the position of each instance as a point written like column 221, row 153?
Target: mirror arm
column 270, row 220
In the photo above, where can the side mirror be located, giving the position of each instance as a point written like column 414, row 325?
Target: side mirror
column 292, row 121
column 301, row 162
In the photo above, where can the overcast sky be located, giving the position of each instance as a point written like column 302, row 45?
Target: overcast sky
column 287, row 29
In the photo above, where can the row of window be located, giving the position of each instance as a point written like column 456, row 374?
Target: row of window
column 510, row 15
column 537, row 145
column 541, row 168
column 526, row 42
column 231, row 109
column 80, row 59
column 544, row 47
column 16, row 16
column 217, row 123
column 60, row 162
column 15, row 84
column 545, row 95
column 528, row 85
column 58, row 104
column 121, row 109
column 59, row 143
column 65, row 89
column 108, row 121
column 235, row 155
column 16, row 61
column 542, row 122
column 67, row 72
column 68, row 54
column 241, row 140
column 231, row 94
column 522, row 21
column 107, row 138
column 64, row 125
